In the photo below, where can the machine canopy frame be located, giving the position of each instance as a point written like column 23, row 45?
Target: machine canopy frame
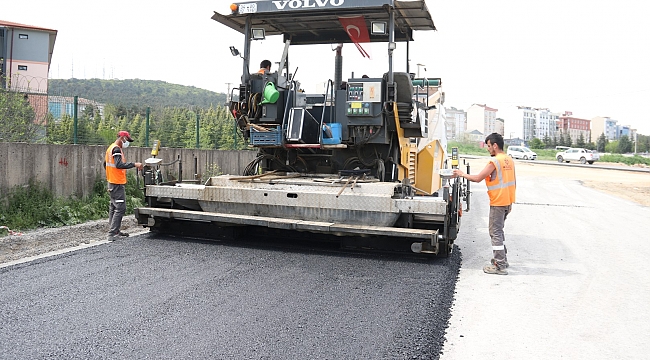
column 317, row 21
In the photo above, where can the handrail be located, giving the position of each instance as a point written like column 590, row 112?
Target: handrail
column 322, row 115
column 292, row 85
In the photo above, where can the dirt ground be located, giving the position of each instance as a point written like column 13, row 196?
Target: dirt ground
column 629, row 185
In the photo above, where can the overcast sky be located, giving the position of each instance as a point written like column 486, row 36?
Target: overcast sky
column 590, row 57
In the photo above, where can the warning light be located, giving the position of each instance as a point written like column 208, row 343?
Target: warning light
column 233, row 7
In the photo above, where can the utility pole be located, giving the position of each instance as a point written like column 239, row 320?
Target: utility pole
column 228, row 96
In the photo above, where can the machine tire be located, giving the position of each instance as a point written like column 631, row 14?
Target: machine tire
column 583, row 160
column 525, row 157
column 560, row 159
column 590, row 162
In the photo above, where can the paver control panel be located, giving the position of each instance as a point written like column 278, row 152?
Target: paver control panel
column 361, row 96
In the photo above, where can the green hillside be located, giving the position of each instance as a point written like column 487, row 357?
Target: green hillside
column 136, row 93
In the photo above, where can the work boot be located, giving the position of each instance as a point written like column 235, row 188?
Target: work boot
column 114, row 236
column 494, row 269
column 505, row 266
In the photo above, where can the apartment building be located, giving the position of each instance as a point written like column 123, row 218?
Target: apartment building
column 482, row 118
column 569, row 124
column 604, row 125
column 64, row 105
column 546, row 125
column 530, row 122
column 456, row 123
column 25, row 56
column 499, row 126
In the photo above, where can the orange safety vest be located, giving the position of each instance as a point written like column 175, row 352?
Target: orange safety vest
column 501, row 184
column 113, row 174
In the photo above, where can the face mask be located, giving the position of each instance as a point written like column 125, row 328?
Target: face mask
column 125, row 144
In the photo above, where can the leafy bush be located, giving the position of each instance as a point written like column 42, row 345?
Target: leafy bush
column 628, row 160
column 32, row 206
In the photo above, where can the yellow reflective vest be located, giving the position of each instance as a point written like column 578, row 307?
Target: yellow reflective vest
column 113, row 174
column 501, row 184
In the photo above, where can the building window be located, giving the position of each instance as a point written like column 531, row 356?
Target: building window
column 22, row 67
column 23, row 36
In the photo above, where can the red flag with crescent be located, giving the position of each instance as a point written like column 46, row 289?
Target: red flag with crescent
column 357, row 30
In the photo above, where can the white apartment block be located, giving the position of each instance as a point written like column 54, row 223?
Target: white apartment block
column 482, row 118
column 546, row 125
column 456, row 123
column 530, row 122
column 604, row 125
column 524, row 123
column 499, row 126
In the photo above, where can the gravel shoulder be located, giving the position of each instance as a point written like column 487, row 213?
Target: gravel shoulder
column 46, row 240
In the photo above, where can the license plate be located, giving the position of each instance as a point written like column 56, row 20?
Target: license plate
column 247, row 8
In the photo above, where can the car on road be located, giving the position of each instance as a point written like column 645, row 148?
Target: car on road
column 521, row 152
column 584, row 156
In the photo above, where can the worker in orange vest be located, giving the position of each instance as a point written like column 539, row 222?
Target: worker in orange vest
column 265, row 66
column 499, row 175
column 116, row 167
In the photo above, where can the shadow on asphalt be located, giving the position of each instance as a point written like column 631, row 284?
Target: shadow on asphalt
column 308, row 244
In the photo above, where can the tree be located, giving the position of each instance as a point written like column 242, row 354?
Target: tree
column 611, row 147
column 602, row 143
column 642, row 143
column 581, row 141
column 568, row 140
column 536, row 143
column 547, row 140
column 17, row 118
column 624, row 145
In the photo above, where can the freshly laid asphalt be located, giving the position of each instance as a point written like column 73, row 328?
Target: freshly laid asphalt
column 164, row 298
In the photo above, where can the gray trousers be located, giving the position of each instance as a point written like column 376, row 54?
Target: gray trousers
column 117, row 207
column 497, row 220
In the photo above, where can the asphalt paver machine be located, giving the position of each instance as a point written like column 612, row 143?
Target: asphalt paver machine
column 357, row 163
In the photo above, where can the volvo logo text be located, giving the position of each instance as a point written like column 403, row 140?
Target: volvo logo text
column 300, row 4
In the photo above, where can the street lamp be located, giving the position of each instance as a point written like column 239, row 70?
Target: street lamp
column 420, row 65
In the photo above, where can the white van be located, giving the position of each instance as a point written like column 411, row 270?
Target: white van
column 521, row 152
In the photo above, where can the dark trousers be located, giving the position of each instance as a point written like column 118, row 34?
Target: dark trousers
column 117, row 207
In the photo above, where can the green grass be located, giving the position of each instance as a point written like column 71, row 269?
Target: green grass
column 467, row 148
column 548, row 154
column 32, row 206
column 629, row 160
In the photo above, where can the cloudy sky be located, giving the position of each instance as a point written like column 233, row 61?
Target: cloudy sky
column 590, row 57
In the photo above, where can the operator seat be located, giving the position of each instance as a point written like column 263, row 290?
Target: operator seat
column 405, row 106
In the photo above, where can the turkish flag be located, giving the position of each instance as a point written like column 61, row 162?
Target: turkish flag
column 357, row 30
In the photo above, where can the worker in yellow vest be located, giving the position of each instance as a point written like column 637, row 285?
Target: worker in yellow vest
column 116, row 167
column 499, row 175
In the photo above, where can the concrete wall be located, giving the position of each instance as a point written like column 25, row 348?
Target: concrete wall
column 72, row 169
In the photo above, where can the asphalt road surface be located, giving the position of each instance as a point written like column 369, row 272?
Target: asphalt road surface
column 578, row 288
column 165, row 298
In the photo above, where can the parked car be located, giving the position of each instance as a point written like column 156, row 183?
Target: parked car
column 521, row 152
column 578, row 154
